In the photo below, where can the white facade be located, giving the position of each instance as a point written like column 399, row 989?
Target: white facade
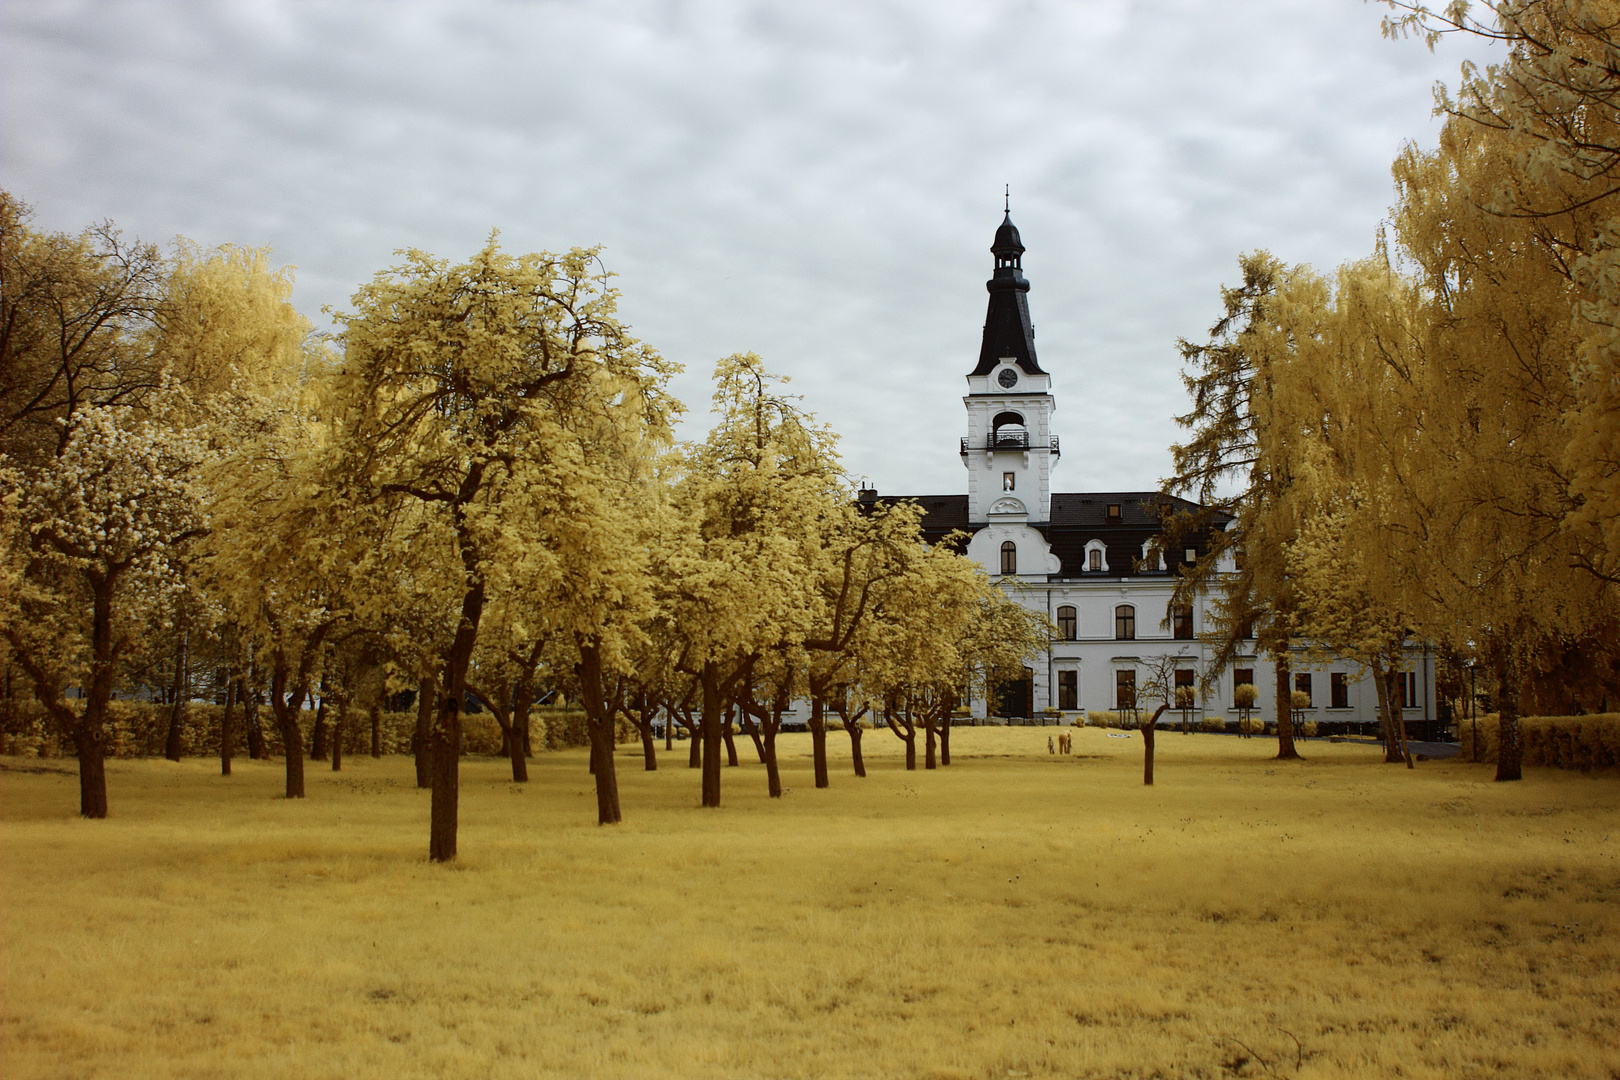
column 1084, row 551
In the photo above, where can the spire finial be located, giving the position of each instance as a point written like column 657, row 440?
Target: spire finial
column 1007, row 195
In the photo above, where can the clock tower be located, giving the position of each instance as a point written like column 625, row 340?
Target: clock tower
column 1010, row 449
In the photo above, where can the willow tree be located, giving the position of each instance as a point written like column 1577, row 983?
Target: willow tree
column 1553, row 106
column 464, row 393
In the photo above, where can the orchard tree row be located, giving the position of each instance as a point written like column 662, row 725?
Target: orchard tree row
column 1427, row 442
column 472, row 491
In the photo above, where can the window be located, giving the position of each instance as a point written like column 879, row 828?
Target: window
column 1150, row 559
column 1068, row 689
column 1338, row 691
column 1246, row 632
column 1113, row 513
column 1125, row 624
column 1302, row 684
column 1406, row 689
column 1238, row 558
column 1190, row 556
column 1124, row 690
column 1068, row 625
column 1241, row 676
column 1007, row 481
column 1181, row 625
column 1009, row 557
column 1093, row 559
column 1186, row 696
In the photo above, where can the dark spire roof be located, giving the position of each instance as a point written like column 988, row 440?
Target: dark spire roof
column 1007, row 330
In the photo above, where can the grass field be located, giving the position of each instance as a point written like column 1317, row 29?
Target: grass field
column 1014, row 915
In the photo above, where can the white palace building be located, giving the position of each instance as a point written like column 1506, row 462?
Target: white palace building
column 1086, row 558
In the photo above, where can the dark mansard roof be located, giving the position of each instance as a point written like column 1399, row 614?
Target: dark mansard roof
column 1077, row 519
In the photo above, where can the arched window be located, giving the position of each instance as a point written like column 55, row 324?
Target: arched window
column 1067, row 624
column 1125, row 623
column 1009, row 557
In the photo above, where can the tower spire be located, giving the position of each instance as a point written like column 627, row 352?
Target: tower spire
column 1007, row 329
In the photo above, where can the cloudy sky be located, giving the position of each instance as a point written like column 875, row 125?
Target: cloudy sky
column 816, row 182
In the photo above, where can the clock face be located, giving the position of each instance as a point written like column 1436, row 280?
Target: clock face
column 1007, row 377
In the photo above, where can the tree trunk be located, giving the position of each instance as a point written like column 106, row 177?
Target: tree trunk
column 1285, row 712
column 694, row 752
column 773, row 772
column 649, row 746
column 337, row 737
column 1509, row 750
column 599, row 723
column 522, row 704
column 911, row 750
column 92, row 750
column 177, row 712
column 292, row 745
column 427, row 691
column 225, row 733
column 945, row 738
column 376, row 729
column 1148, row 730
column 318, row 750
column 731, row 743
column 444, row 815
column 250, row 720
column 713, row 717
column 855, row 733
column 751, row 729
column 818, row 738
column 1385, row 680
column 930, row 761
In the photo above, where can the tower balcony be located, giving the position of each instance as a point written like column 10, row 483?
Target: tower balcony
column 1014, row 442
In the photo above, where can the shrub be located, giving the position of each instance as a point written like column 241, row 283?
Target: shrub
column 1244, row 695
column 559, row 727
column 1252, row 725
column 1310, row 729
column 1212, row 723
column 1559, row 742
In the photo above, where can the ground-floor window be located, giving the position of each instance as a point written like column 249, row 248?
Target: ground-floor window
column 1068, row 689
column 1125, row 690
column 1339, row 688
column 1241, row 676
column 1302, row 684
column 1186, row 692
column 1406, row 685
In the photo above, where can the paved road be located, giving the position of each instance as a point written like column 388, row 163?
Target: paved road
column 1427, row 749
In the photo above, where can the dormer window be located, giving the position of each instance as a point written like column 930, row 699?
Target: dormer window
column 1093, row 559
column 1009, row 558
column 1113, row 514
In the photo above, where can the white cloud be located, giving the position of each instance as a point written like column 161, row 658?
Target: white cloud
column 816, row 182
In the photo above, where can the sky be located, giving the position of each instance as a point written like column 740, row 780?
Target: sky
column 815, row 182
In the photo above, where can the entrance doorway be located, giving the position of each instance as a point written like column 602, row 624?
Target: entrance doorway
column 1017, row 698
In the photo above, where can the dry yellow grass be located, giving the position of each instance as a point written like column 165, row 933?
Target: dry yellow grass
column 1014, row 915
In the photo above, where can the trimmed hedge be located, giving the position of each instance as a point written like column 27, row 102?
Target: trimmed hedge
column 141, row 729
column 1558, row 742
